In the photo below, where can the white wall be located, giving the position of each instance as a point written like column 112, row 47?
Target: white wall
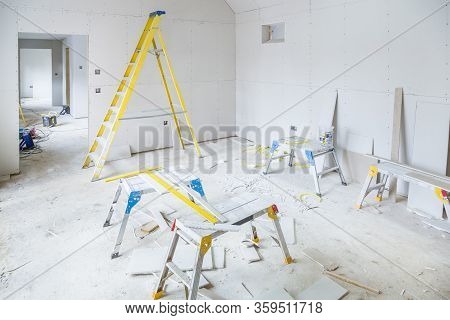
column 79, row 74
column 57, row 71
column 323, row 38
column 36, row 74
column 200, row 35
column 9, row 93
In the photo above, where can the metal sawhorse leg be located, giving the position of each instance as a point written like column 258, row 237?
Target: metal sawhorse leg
column 367, row 188
column 311, row 156
column 133, row 200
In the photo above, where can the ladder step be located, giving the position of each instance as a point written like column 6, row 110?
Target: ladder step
column 114, row 109
column 108, row 125
column 94, row 157
column 101, row 141
column 179, row 273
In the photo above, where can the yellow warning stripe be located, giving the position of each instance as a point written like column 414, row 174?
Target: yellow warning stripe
column 170, row 188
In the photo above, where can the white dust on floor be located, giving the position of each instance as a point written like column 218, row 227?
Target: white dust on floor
column 53, row 245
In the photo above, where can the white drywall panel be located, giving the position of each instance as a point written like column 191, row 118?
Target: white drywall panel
column 327, row 59
column 248, row 38
column 426, row 42
column 9, row 82
column 79, row 65
column 297, row 62
column 178, row 35
column 226, row 52
column 204, row 52
column 430, row 154
column 365, row 31
column 70, row 22
column 37, row 20
column 227, row 105
column 204, row 109
column 108, row 48
column 147, row 97
column 357, row 112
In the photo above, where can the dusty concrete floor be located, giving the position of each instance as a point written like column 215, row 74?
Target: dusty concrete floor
column 53, row 245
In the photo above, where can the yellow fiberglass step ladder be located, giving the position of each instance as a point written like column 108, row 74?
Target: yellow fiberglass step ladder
column 151, row 39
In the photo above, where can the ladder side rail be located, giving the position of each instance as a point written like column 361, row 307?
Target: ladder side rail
column 169, row 96
column 178, row 91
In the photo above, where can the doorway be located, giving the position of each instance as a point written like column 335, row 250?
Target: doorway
column 36, row 76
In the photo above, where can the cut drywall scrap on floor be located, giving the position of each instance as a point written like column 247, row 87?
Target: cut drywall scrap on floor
column 274, row 293
column 353, row 282
column 250, row 253
column 324, row 289
column 443, row 226
column 321, row 259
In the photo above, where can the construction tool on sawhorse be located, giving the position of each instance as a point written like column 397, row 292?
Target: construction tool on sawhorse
column 312, row 150
column 152, row 41
column 380, row 174
column 203, row 239
column 136, row 184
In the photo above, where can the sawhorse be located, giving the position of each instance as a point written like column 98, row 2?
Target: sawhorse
column 202, row 239
column 313, row 150
column 379, row 175
column 136, row 185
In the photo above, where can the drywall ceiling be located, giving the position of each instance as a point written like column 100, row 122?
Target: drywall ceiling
column 239, row 6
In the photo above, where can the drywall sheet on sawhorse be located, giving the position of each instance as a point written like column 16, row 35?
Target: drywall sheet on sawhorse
column 430, row 152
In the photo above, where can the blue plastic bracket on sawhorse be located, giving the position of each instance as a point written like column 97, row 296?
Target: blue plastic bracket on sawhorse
column 197, row 186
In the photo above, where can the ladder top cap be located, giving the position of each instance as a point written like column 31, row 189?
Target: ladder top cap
column 157, row 13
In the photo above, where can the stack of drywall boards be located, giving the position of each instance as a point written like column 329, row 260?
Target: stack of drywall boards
column 430, row 153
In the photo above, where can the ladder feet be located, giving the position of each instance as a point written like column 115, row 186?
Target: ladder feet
column 158, row 295
column 377, row 198
column 319, row 195
column 358, row 206
column 344, row 184
column 288, row 260
column 106, row 224
column 114, row 255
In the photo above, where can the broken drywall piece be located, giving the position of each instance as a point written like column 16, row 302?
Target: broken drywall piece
column 321, row 259
column 146, row 229
column 439, row 225
column 151, row 260
column 250, row 254
column 324, row 289
column 218, row 255
column 274, row 293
